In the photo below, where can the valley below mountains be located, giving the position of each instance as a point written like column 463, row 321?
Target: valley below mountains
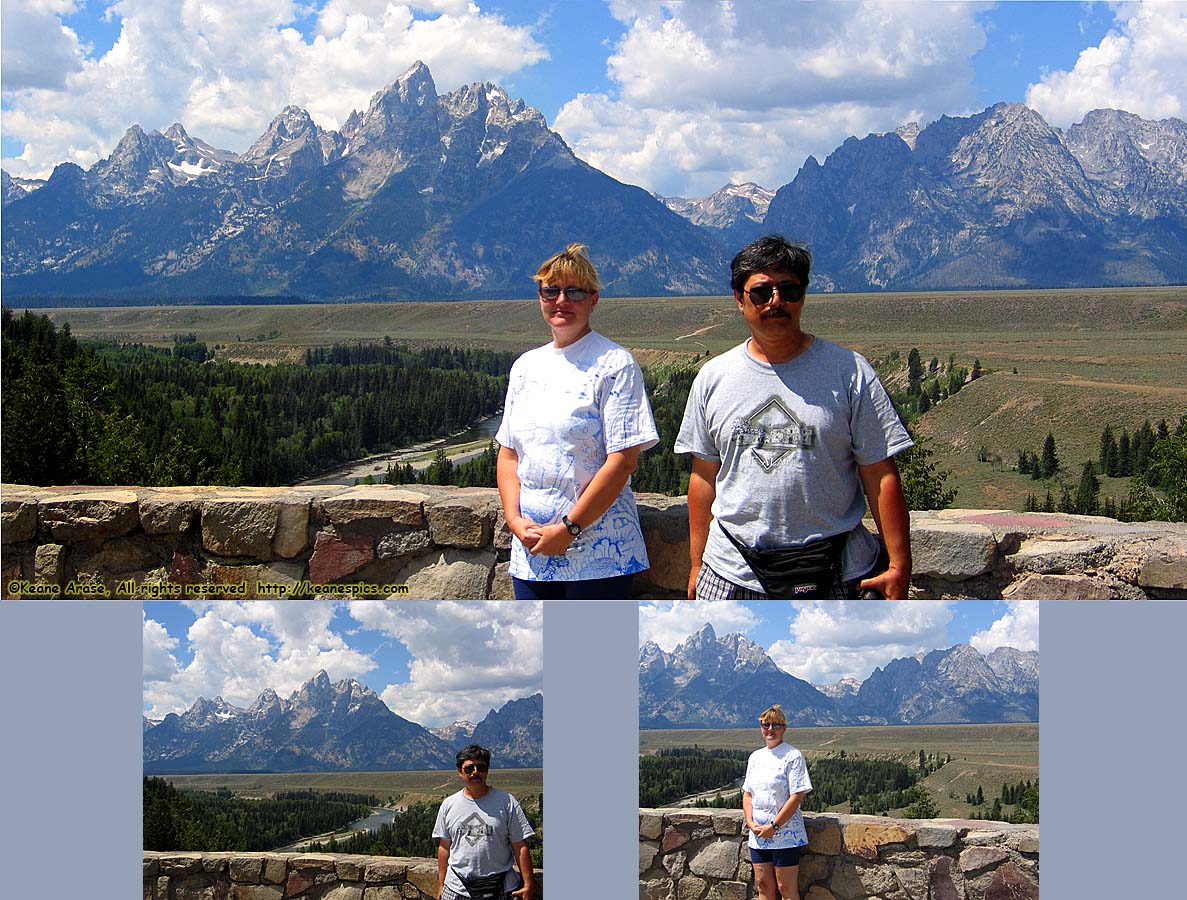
column 461, row 195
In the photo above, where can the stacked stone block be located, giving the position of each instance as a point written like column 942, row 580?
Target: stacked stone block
column 453, row 543
column 702, row 855
column 281, row 876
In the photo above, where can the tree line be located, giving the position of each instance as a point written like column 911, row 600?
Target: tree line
column 199, row 820
column 869, row 785
column 90, row 413
column 678, row 772
column 1154, row 459
column 1023, row 797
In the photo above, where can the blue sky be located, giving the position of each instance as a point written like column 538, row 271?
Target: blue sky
column 433, row 663
column 825, row 641
column 678, row 97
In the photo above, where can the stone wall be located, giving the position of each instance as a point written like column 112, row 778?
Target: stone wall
column 702, row 855
column 279, row 876
column 453, row 543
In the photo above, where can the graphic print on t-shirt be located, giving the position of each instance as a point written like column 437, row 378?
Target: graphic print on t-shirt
column 773, row 432
column 475, row 830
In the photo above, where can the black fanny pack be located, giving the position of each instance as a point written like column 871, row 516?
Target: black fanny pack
column 807, row 572
column 484, row 887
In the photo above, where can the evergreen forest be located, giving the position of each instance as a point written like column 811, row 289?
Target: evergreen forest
column 859, row 785
column 80, row 412
column 200, row 820
column 85, row 412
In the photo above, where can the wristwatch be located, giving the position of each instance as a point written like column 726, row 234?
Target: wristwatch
column 572, row 527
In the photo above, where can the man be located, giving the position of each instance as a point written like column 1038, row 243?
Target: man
column 790, row 435
column 481, row 831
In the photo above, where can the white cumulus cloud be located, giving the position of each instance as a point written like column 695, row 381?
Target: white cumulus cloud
column 36, row 49
column 830, row 640
column 239, row 649
column 467, row 657
column 225, row 68
column 158, row 660
column 1139, row 66
column 668, row 624
column 1018, row 628
column 712, row 92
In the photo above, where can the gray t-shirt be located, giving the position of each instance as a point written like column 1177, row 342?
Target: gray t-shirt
column 789, row 438
column 480, row 833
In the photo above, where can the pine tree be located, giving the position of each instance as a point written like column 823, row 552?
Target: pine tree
column 1049, row 462
column 1108, row 452
column 914, row 372
column 1088, row 492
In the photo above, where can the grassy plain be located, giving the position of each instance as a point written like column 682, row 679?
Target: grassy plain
column 406, row 786
column 982, row 755
column 1065, row 361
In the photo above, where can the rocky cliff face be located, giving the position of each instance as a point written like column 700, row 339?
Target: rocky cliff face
column 419, row 196
column 951, row 686
column 734, row 214
column 999, row 199
column 514, row 733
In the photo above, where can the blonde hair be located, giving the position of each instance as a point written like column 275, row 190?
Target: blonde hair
column 570, row 264
column 773, row 716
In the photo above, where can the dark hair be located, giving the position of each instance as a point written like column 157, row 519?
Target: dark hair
column 474, row 753
column 773, row 252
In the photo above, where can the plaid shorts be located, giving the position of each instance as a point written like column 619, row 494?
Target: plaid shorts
column 711, row 586
column 447, row 894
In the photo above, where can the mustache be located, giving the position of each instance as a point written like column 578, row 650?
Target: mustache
column 776, row 314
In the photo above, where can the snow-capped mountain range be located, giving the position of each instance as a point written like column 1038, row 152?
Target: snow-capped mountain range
column 322, row 726
column 419, row 196
column 711, row 682
column 425, row 196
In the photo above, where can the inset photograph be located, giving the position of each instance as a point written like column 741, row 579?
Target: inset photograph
column 292, row 747
column 825, row 749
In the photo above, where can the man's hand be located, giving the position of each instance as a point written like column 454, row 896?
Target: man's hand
column 693, row 573
column 524, row 893
column 552, row 540
column 893, row 584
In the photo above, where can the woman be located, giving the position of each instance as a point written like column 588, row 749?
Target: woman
column 574, row 424
column 775, row 785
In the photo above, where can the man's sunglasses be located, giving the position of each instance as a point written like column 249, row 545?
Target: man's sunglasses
column 770, row 726
column 789, row 292
column 552, row 294
column 471, row 768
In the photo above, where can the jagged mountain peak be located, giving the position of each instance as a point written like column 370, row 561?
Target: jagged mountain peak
column 415, row 86
column 702, row 637
column 908, row 133
column 844, row 687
